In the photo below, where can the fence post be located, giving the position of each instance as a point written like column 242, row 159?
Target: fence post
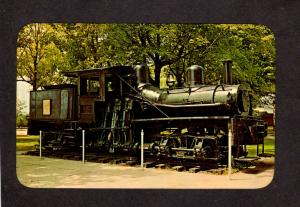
column 142, row 148
column 83, row 145
column 40, row 144
column 229, row 147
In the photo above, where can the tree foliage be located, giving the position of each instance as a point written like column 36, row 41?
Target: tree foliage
column 82, row 45
column 38, row 57
column 21, row 119
column 157, row 45
column 52, row 48
column 252, row 49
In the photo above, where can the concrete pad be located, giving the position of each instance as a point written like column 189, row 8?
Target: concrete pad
column 58, row 173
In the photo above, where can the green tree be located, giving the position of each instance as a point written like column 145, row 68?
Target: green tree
column 252, row 49
column 21, row 119
column 45, row 50
column 82, row 45
column 158, row 45
column 198, row 53
column 39, row 61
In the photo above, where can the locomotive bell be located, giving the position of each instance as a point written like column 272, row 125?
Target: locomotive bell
column 142, row 74
column 170, row 80
column 194, row 76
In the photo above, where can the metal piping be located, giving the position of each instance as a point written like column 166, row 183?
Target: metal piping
column 184, row 118
column 143, row 97
column 191, row 105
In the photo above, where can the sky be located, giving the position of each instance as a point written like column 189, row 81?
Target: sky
column 23, row 91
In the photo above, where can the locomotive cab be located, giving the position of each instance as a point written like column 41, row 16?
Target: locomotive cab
column 97, row 91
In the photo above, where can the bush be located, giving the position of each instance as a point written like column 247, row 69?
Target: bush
column 21, row 120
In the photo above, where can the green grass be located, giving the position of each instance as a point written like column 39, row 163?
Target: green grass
column 25, row 142
column 269, row 145
column 28, row 142
column 269, row 148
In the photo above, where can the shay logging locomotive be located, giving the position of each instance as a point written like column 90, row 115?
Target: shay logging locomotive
column 114, row 104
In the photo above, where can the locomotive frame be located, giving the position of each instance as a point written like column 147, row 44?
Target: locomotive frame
column 114, row 104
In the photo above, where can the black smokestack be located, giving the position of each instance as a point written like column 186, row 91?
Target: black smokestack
column 227, row 76
column 142, row 73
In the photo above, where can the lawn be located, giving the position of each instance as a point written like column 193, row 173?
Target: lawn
column 26, row 142
column 269, row 145
column 269, row 148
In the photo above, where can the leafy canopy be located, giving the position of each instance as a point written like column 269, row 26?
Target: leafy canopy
column 45, row 50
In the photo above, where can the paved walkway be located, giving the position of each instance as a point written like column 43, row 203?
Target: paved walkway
column 21, row 131
column 58, row 173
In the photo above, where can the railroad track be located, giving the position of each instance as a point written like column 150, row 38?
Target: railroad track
column 149, row 162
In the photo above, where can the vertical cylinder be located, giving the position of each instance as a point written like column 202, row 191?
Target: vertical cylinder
column 142, row 148
column 227, row 72
column 83, row 145
column 40, row 144
column 142, row 74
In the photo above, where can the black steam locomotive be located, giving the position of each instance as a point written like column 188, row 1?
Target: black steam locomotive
column 113, row 105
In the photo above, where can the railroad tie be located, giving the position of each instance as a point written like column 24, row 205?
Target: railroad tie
column 178, row 168
column 149, row 164
column 160, row 166
column 195, row 169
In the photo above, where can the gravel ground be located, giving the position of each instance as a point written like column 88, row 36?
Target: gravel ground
column 57, row 173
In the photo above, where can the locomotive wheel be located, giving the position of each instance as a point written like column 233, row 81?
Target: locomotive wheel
column 154, row 148
column 136, row 148
column 173, row 143
column 168, row 150
column 207, row 151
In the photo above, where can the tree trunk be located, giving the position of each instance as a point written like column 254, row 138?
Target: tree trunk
column 35, row 60
column 34, row 88
column 157, row 70
column 179, row 80
column 34, row 85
